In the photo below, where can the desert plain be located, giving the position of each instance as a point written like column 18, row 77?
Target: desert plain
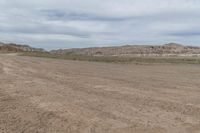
column 41, row 95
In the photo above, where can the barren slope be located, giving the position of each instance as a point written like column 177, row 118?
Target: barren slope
column 10, row 47
column 40, row 95
column 171, row 49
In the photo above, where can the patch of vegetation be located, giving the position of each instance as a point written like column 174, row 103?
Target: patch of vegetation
column 116, row 59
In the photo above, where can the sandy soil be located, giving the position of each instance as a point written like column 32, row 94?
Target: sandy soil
column 40, row 95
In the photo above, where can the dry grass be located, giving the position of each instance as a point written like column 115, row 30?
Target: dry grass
column 115, row 59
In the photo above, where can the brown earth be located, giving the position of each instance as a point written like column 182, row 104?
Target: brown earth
column 11, row 47
column 171, row 49
column 39, row 95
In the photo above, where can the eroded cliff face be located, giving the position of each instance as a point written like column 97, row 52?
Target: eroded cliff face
column 171, row 49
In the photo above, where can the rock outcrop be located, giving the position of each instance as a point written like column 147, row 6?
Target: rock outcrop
column 11, row 47
column 171, row 49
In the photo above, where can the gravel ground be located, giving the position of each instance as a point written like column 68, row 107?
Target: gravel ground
column 39, row 95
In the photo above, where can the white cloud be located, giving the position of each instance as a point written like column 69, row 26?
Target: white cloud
column 82, row 23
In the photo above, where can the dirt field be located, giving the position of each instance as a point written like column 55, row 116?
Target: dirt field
column 39, row 95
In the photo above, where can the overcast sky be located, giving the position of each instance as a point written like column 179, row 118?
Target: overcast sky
column 53, row 24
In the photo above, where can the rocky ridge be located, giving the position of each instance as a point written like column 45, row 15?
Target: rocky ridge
column 11, row 47
column 171, row 49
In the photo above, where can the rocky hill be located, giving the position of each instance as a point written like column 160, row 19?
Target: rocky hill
column 17, row 48
column 171, row 49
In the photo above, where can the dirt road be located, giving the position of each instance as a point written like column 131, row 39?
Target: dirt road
column 39, row 95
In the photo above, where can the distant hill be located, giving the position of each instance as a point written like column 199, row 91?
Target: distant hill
column 11, row 47
column 171, row 49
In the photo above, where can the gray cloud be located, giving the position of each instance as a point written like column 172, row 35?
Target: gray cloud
column 64, row 16
column 185, row 33
column 66, row 23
